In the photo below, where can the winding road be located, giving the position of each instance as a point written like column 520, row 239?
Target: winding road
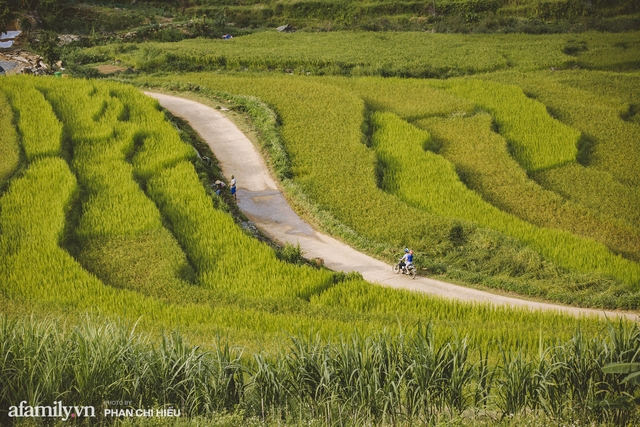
column 264, row 205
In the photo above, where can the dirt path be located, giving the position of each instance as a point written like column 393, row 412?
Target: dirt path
column 263, row 203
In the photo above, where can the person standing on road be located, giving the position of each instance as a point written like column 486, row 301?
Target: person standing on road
column 232, row 185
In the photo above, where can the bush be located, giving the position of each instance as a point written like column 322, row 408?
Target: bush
column 291, row 254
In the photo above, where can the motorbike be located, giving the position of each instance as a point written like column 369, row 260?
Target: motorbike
column 400, row 267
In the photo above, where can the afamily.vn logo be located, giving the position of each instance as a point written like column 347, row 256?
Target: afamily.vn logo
column 57, row 410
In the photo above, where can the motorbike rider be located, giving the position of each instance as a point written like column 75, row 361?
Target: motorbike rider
column 407, row 260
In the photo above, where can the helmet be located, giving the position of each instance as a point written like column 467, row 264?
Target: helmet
column 406, row 250
column 411, row 251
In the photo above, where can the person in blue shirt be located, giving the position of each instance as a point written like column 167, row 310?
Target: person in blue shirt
column 407, row 259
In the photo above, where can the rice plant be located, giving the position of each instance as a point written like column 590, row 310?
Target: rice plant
column 610, row 145
column 138, row 274
column 40, row 130
column 226, row 259
column 350, row 53
column 595, row 189
column 9, row 144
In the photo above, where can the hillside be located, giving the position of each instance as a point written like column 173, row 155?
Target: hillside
column 437, row 15
column 171, row 21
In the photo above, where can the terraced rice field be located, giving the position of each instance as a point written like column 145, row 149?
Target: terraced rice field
column 521, row 176
column 585, row 240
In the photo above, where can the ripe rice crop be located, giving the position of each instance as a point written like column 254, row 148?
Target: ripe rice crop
column 595, row 189
column 537, row 141
column 235, row 297
column 416, row 99
column 616, row 89
column 53, row 272
column 401, row 374
column 51, row 277
column 42, row 194
column 37, row 272
column 611, row 144
column 350, row 53
column 116, row 218
column 225, row 258
column 411, row 99
column 115, row 204
column 312, row 140
column 511, row 189
column 615, row 52
column 325, row 171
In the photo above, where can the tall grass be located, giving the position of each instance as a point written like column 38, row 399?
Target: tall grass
column 99, row 362
column 381, row 378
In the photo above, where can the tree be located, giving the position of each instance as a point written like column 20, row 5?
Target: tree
column 6, row 15
column 48, row 47
column 13, row 9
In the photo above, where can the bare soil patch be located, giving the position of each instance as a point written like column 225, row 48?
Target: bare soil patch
column 110, row 69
